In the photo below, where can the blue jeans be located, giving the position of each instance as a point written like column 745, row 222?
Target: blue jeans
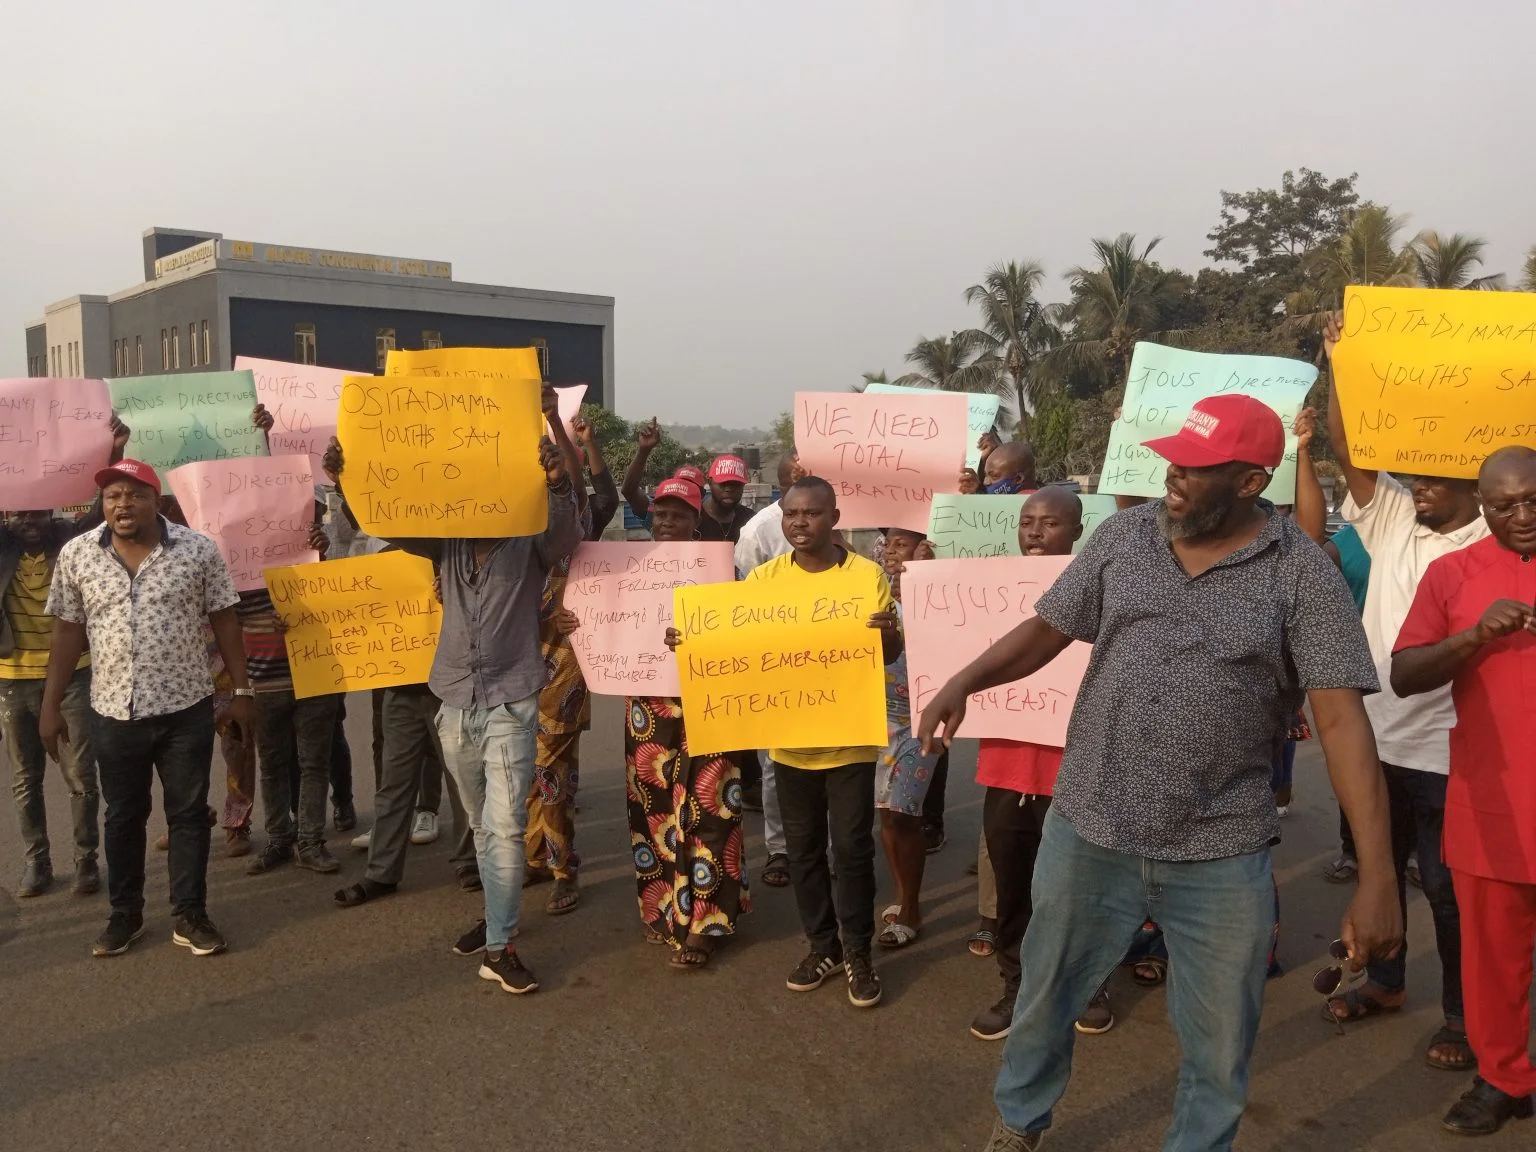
column 1089, row 902
column 490, row 754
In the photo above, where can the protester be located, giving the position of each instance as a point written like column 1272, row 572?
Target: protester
column 139, row 591
column 1472, row 626
column 970, row 482
column 604, row 499
column 1345, row 550
column 1010, row 469
column 724, row 514
column 684, row 811
column 487, row 671
column 1162, row 808
column 30, row 542
column 1405, row 528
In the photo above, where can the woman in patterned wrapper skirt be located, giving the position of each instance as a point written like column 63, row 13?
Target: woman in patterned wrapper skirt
column 684, row 811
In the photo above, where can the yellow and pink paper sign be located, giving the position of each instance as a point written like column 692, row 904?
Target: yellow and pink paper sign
column 884, row 455
column 622, row 594
column 258, row 509
column 55, row 435
column 302, row 399
column 954, row 610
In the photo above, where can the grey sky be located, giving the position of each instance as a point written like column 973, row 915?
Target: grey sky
column 779, row 195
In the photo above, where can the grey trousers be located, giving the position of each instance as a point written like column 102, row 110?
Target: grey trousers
column 409, row 731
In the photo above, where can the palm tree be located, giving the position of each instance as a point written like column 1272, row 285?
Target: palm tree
column 954, row 363
column 1447, row 261
column 1528, row 279
column 1367, row 252
column 1014, row 329
column 871, row 378
column 1124, row 299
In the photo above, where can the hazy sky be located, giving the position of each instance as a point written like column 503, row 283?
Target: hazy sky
column 779, row 195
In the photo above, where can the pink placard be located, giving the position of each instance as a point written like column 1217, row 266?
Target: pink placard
column 884, row 455
column 622, row 594
column 55, row 435
column 954, row 610
column 302, row 399
column 570, row 397
column 258, row 509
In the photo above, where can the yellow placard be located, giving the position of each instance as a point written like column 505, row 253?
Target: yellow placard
column 446, row 446
column 1432, row 381
column 780, row 664
column 364, row 622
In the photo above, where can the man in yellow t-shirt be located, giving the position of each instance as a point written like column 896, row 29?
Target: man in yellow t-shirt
column 822, row 789
column 29, row 545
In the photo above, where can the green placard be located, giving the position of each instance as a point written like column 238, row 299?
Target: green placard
column 188, row 416
column 965, row 527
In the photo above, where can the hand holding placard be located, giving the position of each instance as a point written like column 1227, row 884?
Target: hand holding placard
column 55, row 435
column 188, row 416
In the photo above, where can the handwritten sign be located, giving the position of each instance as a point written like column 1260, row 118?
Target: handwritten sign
column 302, row 399
column 964, row 527
column 981, row 413
column 366, row 622
column 258, row 509
column 1432, row 381
column 466, row 363
column 444, row 455
column 954, row 610
column 55, row 435
column 780, row 664
column 1165, row 382
column 885, row 456
column 622, row 593
column 188, row 416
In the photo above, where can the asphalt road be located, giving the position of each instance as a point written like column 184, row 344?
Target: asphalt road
column 334, row 1029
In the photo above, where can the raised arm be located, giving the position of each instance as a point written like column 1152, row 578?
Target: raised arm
column 1311, row 509
column 1362, row 483
column 605, row 496
column 563, row 532
column 646, row 440
column 1025, row 650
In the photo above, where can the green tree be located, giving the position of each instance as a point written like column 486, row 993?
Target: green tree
column 616, row 437
column 872, row 378
column 956, row 363
column 1447, row 261
column 781, row 436
column 1528, row 277
column 1014, row 330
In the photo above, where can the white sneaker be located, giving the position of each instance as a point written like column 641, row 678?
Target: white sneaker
column 364, row 842
column 424, row 828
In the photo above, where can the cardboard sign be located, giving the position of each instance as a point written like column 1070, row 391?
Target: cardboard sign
column 1432, row 381
column 302, row 399
column 884, row 455
column 1165, row 382
column 981, row 413
column 187, row 416
column 954, row 610
column 967, row 527
column 258, row 509
column 365, row 622
column 55, row 435
column 622, row 594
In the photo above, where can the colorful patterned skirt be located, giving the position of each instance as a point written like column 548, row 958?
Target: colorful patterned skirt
column 684, row 826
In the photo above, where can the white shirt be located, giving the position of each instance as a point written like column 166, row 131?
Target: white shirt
column 761, row 540
column 1413, row 733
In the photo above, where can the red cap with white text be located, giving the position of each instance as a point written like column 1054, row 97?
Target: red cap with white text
column 727, row 469
column 679, row 489
column 135, row 470
column 1223, row 430
column 688, row 472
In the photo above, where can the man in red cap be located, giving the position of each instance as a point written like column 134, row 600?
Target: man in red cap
column 724, row 515
column 140, row 590
column 1473, row 627
column 1211, row 618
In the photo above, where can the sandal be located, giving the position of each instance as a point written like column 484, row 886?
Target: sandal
column 983, row 941
column 1358, row 1005
column 1463, row 1061
column 890, row 914
column 776, row 871
column 360, row 893
column 895, row 935
column 653, row 936
column 565, row 898
column 1150, row 971
column 1341, row 871
column 692, row 956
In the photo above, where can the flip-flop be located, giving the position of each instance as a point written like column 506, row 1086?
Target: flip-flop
column 652, row 936
column 983, row 943
column 691, row 957
column 1150, row 971
column 776, row 871
column 896, row 936
column 1359, row 1007
column 566, row 898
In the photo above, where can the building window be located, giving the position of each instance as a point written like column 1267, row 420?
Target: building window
column 543, row 348
column 207, row 348
column 175, row 348
column 117, row 357
column 431, row 339
column 304, row 344
column 192, row 343
column 165, row 350
column 138, row 355
column 73, row 358
column 383, row 344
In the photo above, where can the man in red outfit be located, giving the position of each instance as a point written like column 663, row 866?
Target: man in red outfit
column 1473, row 626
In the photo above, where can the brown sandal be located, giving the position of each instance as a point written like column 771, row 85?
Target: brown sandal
column 565, row 898
column 1358, row 1005
column 1448, row 1037
column 693, row 956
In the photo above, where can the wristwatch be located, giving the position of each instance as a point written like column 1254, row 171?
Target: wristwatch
column 245, row 692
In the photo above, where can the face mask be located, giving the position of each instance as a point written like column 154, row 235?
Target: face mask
column 1008, row 486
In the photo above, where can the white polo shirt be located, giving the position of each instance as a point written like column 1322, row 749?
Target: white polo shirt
column 761, row 540
column 1412, row 733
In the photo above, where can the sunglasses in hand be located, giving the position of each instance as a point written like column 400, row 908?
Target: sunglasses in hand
column 1336, row 979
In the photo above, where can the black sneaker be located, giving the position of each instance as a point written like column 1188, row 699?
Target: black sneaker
column 507, row 970
column 863, row 981
column 345, row 817
column 812, row 971
column 271, row 856
column 121, row 932
column 933, row 838
column 1483, row 1110
column 198, row 934
column 472, row 943
column 318, row 858
column 1098, row 1019
column 996, row 1022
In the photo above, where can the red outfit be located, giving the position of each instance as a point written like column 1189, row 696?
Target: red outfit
column 1490, row 802
column 1018, row 767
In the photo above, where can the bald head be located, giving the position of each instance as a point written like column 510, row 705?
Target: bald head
column 1050, row 522
column 1014, row 460
column 1515, row 458
column 1507, row 486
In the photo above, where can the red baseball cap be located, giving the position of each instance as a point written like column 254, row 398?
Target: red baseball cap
column 678, row 488
column 1222, row 430
column 726, row 469
column 688, row 472
column 135, row 470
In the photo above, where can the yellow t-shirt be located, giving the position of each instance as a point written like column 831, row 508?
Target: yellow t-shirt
column 31, row 627
column 784, row 568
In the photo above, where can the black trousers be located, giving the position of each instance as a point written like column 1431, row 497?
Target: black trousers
column 841, row 801
column 1012, row 823
column 933, row 801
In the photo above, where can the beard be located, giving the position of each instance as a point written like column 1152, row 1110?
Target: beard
column 1200, row 521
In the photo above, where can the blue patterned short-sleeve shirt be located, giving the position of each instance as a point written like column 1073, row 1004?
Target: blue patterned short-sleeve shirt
column 147, row 634
column 1193, row 682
